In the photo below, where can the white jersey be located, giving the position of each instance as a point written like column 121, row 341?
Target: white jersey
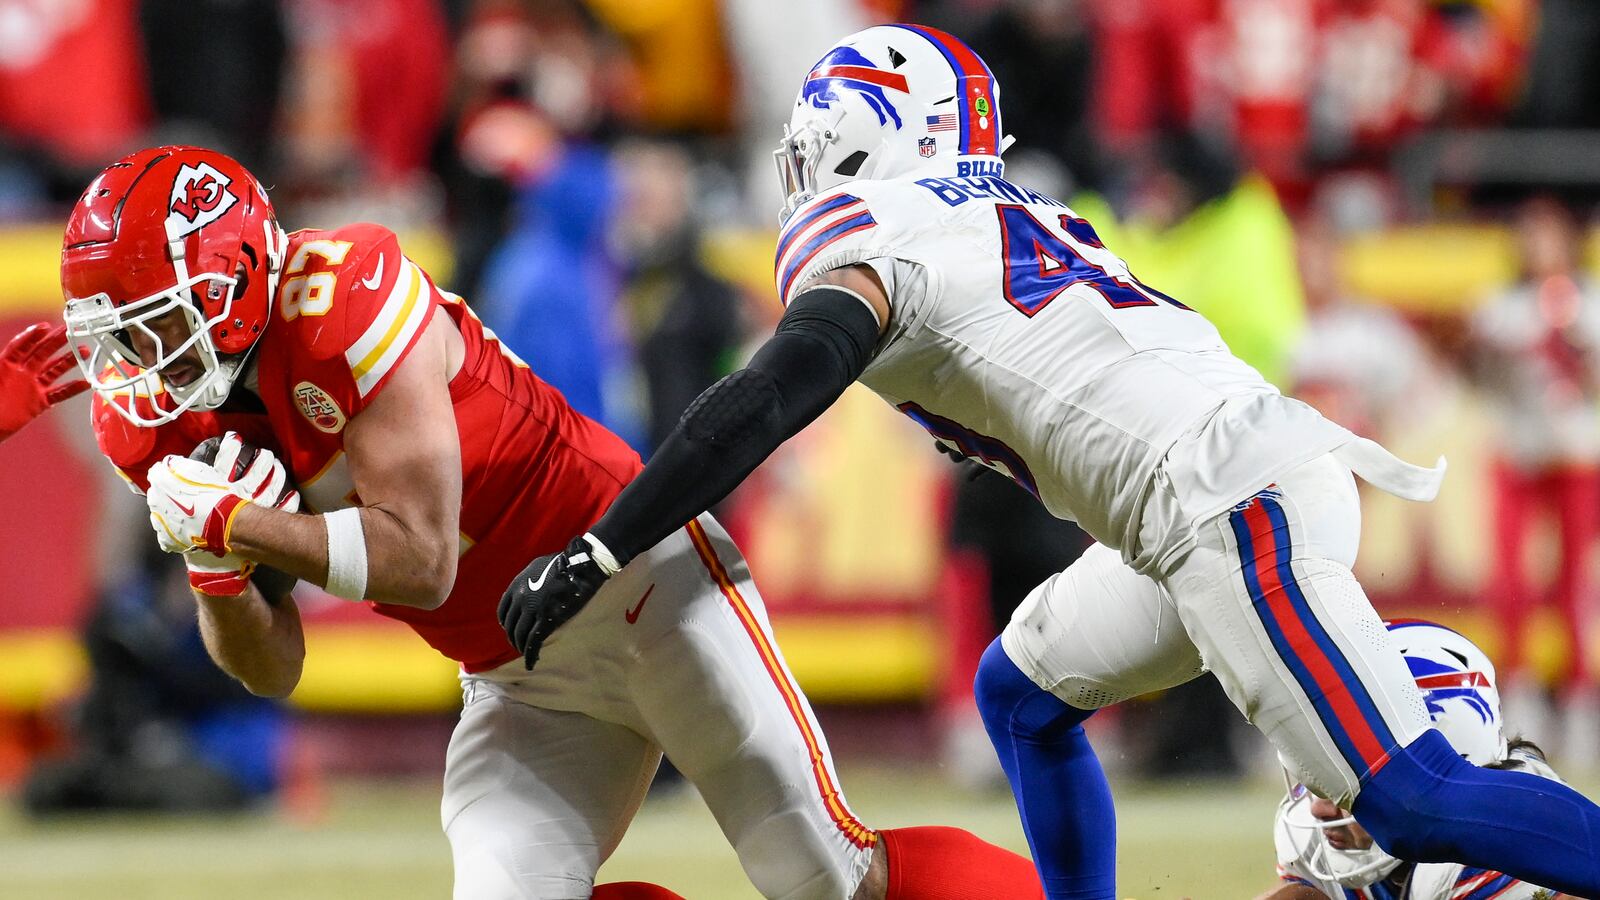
column 1019, row 339
column 1294, row 827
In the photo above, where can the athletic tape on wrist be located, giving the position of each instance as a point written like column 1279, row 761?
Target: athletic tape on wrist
column 347, row 554
column 602, row 556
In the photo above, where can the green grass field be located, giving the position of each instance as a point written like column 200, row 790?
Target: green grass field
column 381, row 840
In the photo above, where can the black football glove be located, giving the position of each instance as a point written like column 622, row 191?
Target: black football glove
column 549, row 591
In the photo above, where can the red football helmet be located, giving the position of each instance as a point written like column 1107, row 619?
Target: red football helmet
column 169, row 229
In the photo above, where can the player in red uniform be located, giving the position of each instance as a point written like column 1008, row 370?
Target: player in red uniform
column 437, row 465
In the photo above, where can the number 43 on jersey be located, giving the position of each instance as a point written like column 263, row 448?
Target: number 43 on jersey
column 1040, row 264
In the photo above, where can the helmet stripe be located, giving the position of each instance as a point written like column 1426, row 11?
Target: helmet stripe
column 862, row 73
column 1453, row 679
column 980, row 114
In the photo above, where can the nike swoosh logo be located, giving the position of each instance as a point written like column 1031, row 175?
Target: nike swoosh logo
column 376, row 279
column 632, row 615
column 186, row 510
column 535, row 585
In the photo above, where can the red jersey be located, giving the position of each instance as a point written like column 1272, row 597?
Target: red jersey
column 350, row 306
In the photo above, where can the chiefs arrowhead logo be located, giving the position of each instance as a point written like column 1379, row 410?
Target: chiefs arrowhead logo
column 200, row 196
column 204, row 194
column 319, row 408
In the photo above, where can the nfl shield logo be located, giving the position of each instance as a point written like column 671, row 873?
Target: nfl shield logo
column 927, row 147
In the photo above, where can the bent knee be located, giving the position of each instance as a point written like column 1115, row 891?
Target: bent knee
column 999, row 685
column 1009, row 700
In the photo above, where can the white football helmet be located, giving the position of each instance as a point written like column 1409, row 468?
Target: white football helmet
column 1458, row 685
column 885, row 101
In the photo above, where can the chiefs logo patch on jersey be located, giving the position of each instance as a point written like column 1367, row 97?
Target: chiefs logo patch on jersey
column 200, row 196
column 318, row 408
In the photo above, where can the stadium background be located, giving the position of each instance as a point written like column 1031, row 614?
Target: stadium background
column 593, row 177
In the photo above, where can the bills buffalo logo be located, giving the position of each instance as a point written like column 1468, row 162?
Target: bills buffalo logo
column 200, row 196
column 319, row 408
column 846, row 69
column 927, row 147
column 1440, row 683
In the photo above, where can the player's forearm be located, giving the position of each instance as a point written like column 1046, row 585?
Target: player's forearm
column 259, row 643
column 405, row 565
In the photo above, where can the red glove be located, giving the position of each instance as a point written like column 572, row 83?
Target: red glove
column 28, row 368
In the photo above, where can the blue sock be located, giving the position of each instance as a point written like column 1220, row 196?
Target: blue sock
column 1427, row 804
column 1060, row 788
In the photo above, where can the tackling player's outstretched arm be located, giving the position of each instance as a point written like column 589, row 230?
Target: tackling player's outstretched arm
column 409, row 481
column 821, row 346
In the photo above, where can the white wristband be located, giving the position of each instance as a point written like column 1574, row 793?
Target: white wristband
column 347, row 554
column 602, row 556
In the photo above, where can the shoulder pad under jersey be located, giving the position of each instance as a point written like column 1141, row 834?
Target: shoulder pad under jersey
column 351, row 306
column 133, row 449
column 854, row 222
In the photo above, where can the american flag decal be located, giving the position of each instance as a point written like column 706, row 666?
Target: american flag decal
column 946, row 122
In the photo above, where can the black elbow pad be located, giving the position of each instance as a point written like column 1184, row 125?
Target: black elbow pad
column 736, row 410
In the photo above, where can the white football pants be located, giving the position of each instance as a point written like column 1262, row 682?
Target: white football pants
column 1268, row 604
column 546, row 768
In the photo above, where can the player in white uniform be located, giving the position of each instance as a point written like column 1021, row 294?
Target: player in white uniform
column 1323, row 852
column 1226, row 513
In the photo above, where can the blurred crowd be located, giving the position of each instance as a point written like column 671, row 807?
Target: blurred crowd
column 589, row 163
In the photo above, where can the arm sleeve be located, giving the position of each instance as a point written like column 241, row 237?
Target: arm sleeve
column 822, row 344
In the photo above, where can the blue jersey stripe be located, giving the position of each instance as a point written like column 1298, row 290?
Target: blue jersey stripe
column 801, row 222
column 1491, row 888
column 1487, row 889
column 814, row 246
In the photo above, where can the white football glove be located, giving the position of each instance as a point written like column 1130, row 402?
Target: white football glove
column 192, row 504
column 264, row 480
column 229, row 575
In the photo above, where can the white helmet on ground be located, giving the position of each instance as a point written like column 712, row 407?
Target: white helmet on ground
column 885, row 101
column 1457, row 681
